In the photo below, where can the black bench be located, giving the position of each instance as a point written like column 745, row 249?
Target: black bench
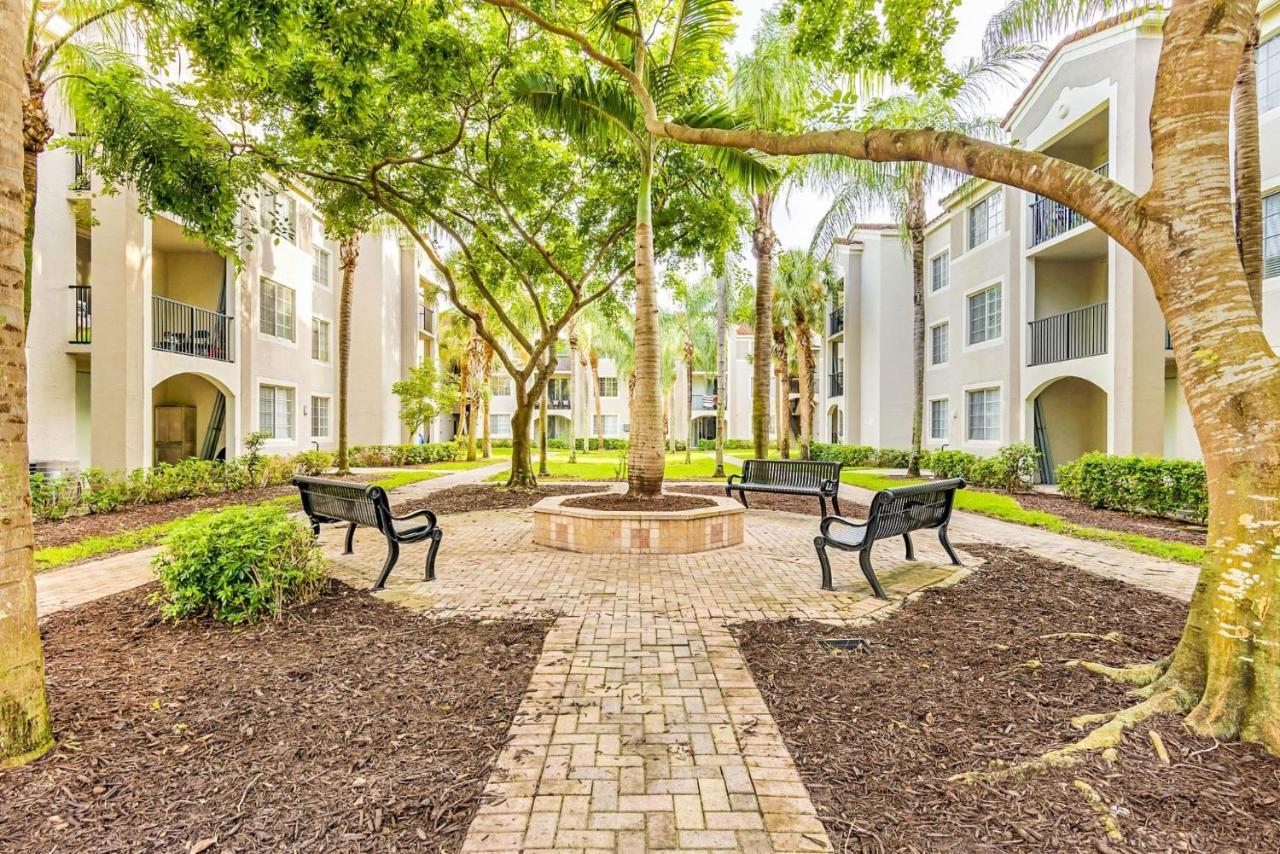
column 893, row 513
column 789, row 477
column 356, row 504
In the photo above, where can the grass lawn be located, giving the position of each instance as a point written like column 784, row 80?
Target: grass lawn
column 1007, row 508
column 498, row 455
column 604, row 465
column 129, row 541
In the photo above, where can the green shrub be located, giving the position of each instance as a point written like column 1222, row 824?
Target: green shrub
column 947, row 464
column 382, row 456
column 237, row 565
column 858, row 456
column 729, row 445
column 1149, row 485
column 54, row 497
column 1013, row 468
column 312, row 463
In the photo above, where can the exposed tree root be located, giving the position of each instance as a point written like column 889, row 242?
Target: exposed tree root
column 1138, row 675
column 1087, row 721
column 1112, row 637
column 1105, row 817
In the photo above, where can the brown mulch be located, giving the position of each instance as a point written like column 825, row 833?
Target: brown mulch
column 950, row 686
column 75, row 528
column 1156, row 527
column 666, row 503
column 478, row 496
column 786, row 503
column 347, row 725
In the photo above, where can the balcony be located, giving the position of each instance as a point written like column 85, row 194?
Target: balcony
column 557, row 400
column 837, row 384
column 1074, row 334
column 704, row 403
column 1050, row 219
column 562, row 363
column 177, row 327
column 83, row 331
column 835, row 321
column 426, row 320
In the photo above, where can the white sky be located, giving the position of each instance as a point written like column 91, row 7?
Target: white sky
column 797, row 214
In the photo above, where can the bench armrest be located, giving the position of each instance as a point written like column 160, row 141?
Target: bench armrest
column 415, row 514
column 828, row 521
column 829, row 487
column 729, row 482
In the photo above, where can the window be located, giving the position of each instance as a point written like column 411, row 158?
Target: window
column 608, row 386
column 500, row 426
column 1271, row 234
column 277, row 213
column 940, row 271
column 319, row 339
column 984, row 415
column 1269, row 74
column 938, row 343
column 984, row 315
column 501, row 386
column 938, row 420
column 275, row 411
column 319, row 417
column 986, row 219
column 610, row 425
column 321, row 262
column 275, row 315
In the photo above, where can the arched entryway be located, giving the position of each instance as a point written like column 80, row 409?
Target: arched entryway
column 557, row 427
column 835, row 424
column 191, row 414
column 1070, row 420
column 704, row 427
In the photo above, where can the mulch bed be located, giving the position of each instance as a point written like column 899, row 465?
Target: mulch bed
column 1080, row 513
column 666, row 503
column 786, row 503
column 948, row 688
column 347, row 725
column 469, row 497
column 75, row 528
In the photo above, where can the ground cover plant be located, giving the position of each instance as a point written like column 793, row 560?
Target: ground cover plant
column 981, row 673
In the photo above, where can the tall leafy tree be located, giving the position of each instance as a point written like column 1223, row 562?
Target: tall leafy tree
column 1225, row 671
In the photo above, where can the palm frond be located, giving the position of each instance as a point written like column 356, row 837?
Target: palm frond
column 743, row 169
column 1025, row 21
column 1004, row 64
column 600, row 113
column 869, row 187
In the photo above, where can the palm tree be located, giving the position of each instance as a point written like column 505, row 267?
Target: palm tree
column 24, row 713
column 722, row 310
column 673, row 55
column 802, row 280
column 348, row 255
column 573, row 390
column 696, row 302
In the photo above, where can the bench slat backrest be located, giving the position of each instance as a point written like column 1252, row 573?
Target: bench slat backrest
column 798, row 474
column 339, row 500
column 911, row 508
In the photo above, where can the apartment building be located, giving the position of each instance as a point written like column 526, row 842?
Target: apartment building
column 1040, row 329
column 146, row 345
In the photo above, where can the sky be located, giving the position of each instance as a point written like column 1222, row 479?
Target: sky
column 797, row 213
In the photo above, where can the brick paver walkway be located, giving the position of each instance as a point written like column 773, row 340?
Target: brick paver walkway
column 641, row 729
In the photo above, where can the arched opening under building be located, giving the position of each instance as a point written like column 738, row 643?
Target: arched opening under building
column 190, row 415
column 835, row 424
column 704, row 427
column 1070, row 420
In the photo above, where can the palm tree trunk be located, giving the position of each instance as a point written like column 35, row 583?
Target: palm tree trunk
column 24, row 714
column 688, row 381
column 721, row 336
column 915, row 228
column 1248, row 171
column 595, row 378
column 573, row 392
column 348, row 255
column 782, row 416
column 805, row 370
column 486, row 449
column 762, row 242
column 645, row 458
column 36, row 133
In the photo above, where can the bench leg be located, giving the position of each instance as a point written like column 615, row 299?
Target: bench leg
column 946, row 544
column 835, row 502
column 864, row 561
column 436, row 536
column 911, row 552
column 821, row 545
column 393, row 555
column 351, row 538
column 822, row 501
column 315, row 528
column 742, row 496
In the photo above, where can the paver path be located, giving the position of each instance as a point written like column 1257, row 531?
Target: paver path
column 641, row 729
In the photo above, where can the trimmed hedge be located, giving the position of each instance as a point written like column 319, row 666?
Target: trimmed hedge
column 729, row 445
column 1013, row 468
column 865, row 456
column 1148, row 485
column 381, row 456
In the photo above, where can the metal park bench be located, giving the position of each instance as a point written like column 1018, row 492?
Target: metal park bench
column 356, row 504
column 893, row 513
column 789, row 477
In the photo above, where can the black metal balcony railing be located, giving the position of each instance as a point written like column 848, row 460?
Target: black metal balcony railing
column 794, row 385
column 557, row 401
column 835, row 322
column 426, row 320
column 704, row 402
column 80, row 174
column 1049, row 219
column 83, row 332
column 837, row 384
column 177, row 327
column 1073, row 334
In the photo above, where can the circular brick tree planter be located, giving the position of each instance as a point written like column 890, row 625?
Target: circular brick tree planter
column 578, row 529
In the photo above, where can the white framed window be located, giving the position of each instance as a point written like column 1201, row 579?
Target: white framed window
column 501, row 386
column 608, row 386
column 939, row 343
column 320, row 335
column 939, row 416
column 986, row 219
column 984, row 315
column 275, row 410
column 1269, row 74
column 321, row 267
column 1271, row 231
column 500, row 425
column 982, row 407
column 319, row 416
column 939, row 271
column 278, row 213
column 610, row 424
column 276, row 310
